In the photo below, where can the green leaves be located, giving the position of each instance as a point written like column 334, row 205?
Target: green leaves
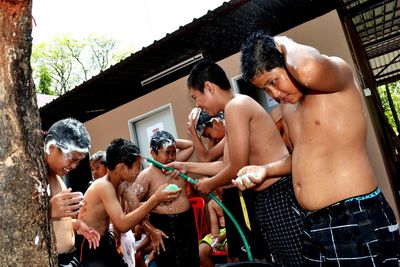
column 63, row 63
column 394, row 90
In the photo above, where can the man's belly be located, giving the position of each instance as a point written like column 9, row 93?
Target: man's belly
column 316, row 192
column 64, row 234
column 320, row 181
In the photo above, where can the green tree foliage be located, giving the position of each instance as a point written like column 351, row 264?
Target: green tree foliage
column 394, row 89
column 65, row 62
column 44, row 86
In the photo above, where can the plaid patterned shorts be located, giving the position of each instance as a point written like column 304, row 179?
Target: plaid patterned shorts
column 280, row 222
column 359, row 231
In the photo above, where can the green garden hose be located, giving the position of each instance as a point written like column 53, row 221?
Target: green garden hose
column 227, row 212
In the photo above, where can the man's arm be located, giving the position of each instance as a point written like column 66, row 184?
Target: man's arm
column 312, row 69
column 211, row 154
column 237, row 118
column 91, row 235
column 274, row 169
column 214, row 222
column 201, row 168
column 124, row 222
column 203, row 154
column 133, row 195
column 185, row 149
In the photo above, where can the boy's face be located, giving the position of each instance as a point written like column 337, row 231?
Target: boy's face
column 98, row 169
column 62, row 163
column 165, row 155
column 129, row 173
column 279, row 85
column 205, row 101
column 215, row 132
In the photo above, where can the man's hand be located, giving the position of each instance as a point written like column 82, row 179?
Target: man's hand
column 178, row 166
column 91, row 235
column 203, row 186
column 192, row 121
column 156, row 236
column 66, row 204
column 253, row 176
column 162, row 195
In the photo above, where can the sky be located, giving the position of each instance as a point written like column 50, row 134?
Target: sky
column 136, row 23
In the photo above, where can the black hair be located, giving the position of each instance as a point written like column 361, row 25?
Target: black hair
column 100, row 156
column 121, row 151
column 159, row 138
column 259, row 53
column 206, row 70
column 204, row 121
column 69, row 134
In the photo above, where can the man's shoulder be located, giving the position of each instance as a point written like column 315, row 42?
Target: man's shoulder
column 147, row 174
column 239, row 103
column 100, row 185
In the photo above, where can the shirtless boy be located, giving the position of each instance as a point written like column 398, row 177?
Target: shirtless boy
column 200, row 124
column 98, row 165
column 103, row 207
column 216, row 239
column 174, row 218
column 348, row 220
column 251, row 138
column 66, row 144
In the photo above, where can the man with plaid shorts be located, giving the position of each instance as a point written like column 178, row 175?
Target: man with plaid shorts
column 347, row 220
column 251, row 138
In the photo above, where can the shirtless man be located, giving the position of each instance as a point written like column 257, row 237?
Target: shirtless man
column 175, row 219
column 349, row 221
column 102, row 205
column 251, row 138
column 66, row 144
column 200, row 124
column 98, row 165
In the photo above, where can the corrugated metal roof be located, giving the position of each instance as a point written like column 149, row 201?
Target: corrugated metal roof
column 377, row 23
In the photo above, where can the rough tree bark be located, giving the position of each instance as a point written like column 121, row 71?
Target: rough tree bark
column 25, row 233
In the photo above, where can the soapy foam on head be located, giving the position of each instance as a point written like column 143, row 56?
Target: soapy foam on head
column 162, row 139
column 99, row 155
column 205, row 120
column 68, row 135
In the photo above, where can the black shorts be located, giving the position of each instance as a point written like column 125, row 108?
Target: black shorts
column 68, row 259
column 360, row 231
column 106, row 255
column 236, row 248
column 182, row 248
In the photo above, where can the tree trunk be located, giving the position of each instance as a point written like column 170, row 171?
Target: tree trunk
column 25, row 235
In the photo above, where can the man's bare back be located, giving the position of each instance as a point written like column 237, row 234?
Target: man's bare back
column 262, row 137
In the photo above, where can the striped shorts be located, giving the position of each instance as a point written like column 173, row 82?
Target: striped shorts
column 359, row 231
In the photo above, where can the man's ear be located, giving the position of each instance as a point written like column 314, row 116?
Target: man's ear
column 119, row 167
column 210, row 87
column 152, row 153
column 51, row 148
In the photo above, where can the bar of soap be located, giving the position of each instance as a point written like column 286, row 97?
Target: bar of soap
column 246, row 178
column 171, row 187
